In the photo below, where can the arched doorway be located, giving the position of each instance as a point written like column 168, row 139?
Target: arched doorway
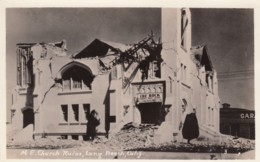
column 28, row 117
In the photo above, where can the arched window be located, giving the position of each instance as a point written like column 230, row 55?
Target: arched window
column 77, row 78
column 24, row 67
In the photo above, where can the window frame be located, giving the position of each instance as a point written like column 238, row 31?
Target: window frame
column 75, row 110
column 65, row 114
column 69, row 83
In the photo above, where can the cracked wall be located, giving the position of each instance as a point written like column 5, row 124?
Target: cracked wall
column 114, row 72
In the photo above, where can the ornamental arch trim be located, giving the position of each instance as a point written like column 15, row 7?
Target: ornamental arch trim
column 74, row 63
column 75, row 76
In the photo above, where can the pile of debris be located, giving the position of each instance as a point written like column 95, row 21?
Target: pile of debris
column 229, row 144
column 129, row 137
column 235, row 142
column 139, row 138
column 134, row 136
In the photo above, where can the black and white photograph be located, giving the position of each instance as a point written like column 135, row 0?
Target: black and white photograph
column 130, row 83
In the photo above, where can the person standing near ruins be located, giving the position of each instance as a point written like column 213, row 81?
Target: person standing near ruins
column 190, row 128
column 93, row 122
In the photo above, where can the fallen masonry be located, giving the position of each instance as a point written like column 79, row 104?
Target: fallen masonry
column 133, row 137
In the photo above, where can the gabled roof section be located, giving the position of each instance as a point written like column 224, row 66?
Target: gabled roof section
column 200, row 56
column 99, row 48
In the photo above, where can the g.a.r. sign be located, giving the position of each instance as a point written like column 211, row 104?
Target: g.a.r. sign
column 247, row 115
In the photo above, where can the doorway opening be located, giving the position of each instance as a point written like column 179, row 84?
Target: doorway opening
column 151, row 113
column 28, row 117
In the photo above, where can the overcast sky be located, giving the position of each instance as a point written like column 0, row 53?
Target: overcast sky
column 228, row 34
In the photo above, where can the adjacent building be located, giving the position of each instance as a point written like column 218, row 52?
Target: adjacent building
column 237, row 122
column 151, row 82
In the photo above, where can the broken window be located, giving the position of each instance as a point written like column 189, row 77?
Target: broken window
column 156, row 69
column 77, row 78
column 114, row 73
column 75, row 108
column 64, row 109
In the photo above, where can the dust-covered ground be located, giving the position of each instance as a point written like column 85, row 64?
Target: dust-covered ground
column 136, row 138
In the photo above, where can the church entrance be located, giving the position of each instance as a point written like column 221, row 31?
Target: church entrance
column 151, row 113
column 148, row 98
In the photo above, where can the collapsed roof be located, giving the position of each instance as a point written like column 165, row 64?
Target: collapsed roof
column 113, row 53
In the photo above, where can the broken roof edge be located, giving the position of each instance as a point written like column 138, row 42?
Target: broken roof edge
column 57, row 44
column 198, row 49
column 122, row 47
column 204, row 51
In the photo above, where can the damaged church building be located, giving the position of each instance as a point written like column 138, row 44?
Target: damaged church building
column 148, row 82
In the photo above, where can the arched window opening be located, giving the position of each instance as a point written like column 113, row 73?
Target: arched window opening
column 24, row 67
column 77, row 78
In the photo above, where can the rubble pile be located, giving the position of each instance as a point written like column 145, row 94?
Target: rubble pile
column 228, row 145
column 134, row 136
column 230, row 141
